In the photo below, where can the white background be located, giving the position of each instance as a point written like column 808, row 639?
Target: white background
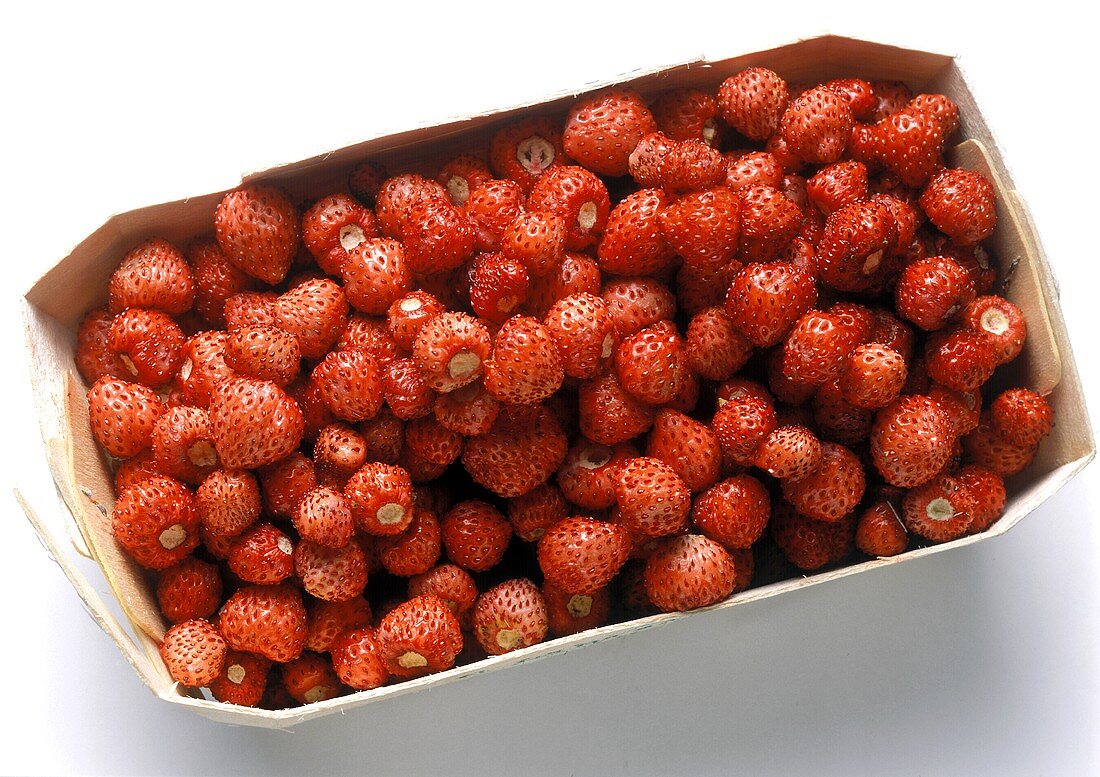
column 978, row 661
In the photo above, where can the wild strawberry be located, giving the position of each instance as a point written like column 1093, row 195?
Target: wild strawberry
column 753, row 101
column 810, row 544
column 310, row 678
column 939, row 510
column 632, row 243
column 817, row 347
column 406, row 392
column 703, row 227
column 451, row 349
column 734, row 512
column 687, row 114
column 537, row 240
column 636, row 303
column 475, row 535
column 687, row 446
column 337, row 453
column 769, row 221
column 534, row 512
column 331, row 574
column 1021, row 417
column 333, row 227
column 263, row 353
column 257, row 228
column 578, row 198
column 414, row 551
column 608, row 414
column 420, row 469
column 135, row 470
column 911, row 440
column 510, row 616
column 156, row 523
column 451, row 583
column 1000, row 322
column 909, row 142
column 831, row 491
column 687, row 398
column 715, row 348
column 375, row 275
column 268, row 620
column 765, row 300
column 651, row 364
column 524, row 150
column 351, row 384
column 467, row 411
column 407, row 314
column 526, row 366
column 791, row 163
column 890, row 97
column 324, row 516
column 741, row 426
column 880, row 531
column 93, row 355
column 419, row 637
column 602, row 129
column 181, row 444
column 887, row 330
column 189, row 589
column 498, row 286
column 492, row 207
column 380, row 497
column 816, row 125
column 581, row 555
column 961, row 204
column 583, row 329
column 326, row 621
column 194, row 652
column 383, row 437
column 243, row 679
column 652, row 499
column 263, row 555
column 836, row 419
column 286, row 482
column 577, row 274
column 215, row 280
column 148, row 343
column 573, row 613
column 858, row 93
column 691, row 165
column 249, row 308
column 587, row 477
column 357, row 659
column 988, row 449
column 524, row 447
column 755, row 168
column 873, row 377
column 688, row 572
column 369, row 333
column 789, row 453
column 852, row 252
column 837, row 185
column 961, row 359
column 986, row 493
column 427, row 438
column 123, row 416
column 228, row 502
column 646, row 160
column 253, row 422
column 316, row 313
column 399, row 196
column 155, row 275
column 462, row 175
column 962, row 407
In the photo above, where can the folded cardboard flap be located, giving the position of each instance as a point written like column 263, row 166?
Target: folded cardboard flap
column 78, row 283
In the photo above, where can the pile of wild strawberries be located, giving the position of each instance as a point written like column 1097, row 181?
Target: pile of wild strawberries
column 632, row 362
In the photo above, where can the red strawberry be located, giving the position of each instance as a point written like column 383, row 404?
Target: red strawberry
column 962, row 205
column 310, row 678
column 874, row 376
column 811, row 544
column 890, row 97
column 152, row 275
column 526, row 367
column 652, row 499
column 578, row 198
column 249, row 308
column 181, row 444
column 765, row 300
column 636, row 303
column 837, row 185
column 646, row 160
column 462, row 175
column 817, row 348
column 323, row 516
column 734, row 512
column 498, row 286
column 690, row 165
column 753, row 169
column 687, row 114
column 334, row 226
column 243, row 679
column 193, row 652
column 397, row 198
column 753, row 101
column 789, row 453
column 407, row 393
column 909, row 142
column 608, row 414
column 357, row 659
column 573, row 613
column 688, row 572
column 149, row 344
column 961, row 359
column 257, row 228
column 577, row 274
column 228, row 502
column 703, row 227
column 337, row 453
column 581, row 555
column 449, row 582
column 253, row 422
column 852, row 252
column 524, row 150
column 632, row 243
column 583, row 329
column 1000, row 322
column 350, row 383
column 263, row 353
column 911, row 440
column 263, row 555
column 268, row 620
column 880, row 531
column 769, row 221
column 536, row 511
column 537, row 240
column 689, row 447
column 468, row 411
column 651, row 364
column 380, row 496
column 93, row 355
column 375, row 275
column 988, row 449
column 156, row 523
column 326, row 621
column 407, row 314
column 416, row 550
column 715, row 348
column 216, row 279
column 986, row 492
column 939, row 510
column 134, row 470
column 451, row 350
column 940, row 106
column 492, row 206
column 602, row 129
column 475, row 535
column 859, row 94
column 741, row 426
column 524, row 447
column 315, row 312
column 816, row 125
column 371, row 334
column 419, row 637
column 587, row 477
column 189, row 589
column 831, row 491
column 510, row 616
column 1021, row 417
column 123, row 415
column 286, row 482
column 331, row 574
